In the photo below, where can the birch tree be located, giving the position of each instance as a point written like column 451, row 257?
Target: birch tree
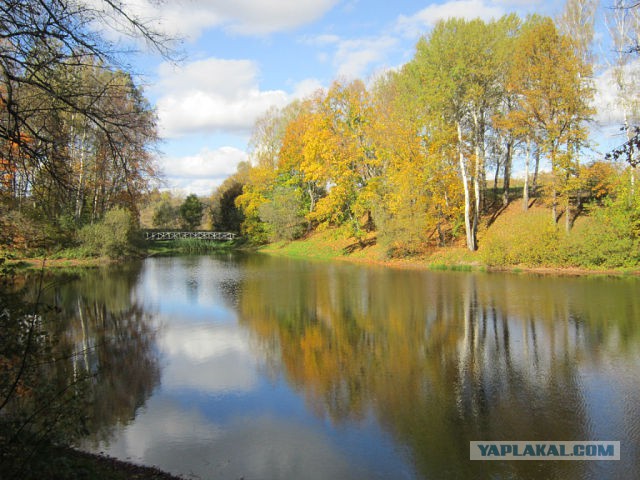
column 553, row 97
column 458, row 63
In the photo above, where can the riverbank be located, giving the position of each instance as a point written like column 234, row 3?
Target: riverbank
column 328, row 245
column 16, row 261
column 62, row 463
column 324, row 245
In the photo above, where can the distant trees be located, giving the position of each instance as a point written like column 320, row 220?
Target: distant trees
column 165, row 214
column 226, row 216
column 191, row 212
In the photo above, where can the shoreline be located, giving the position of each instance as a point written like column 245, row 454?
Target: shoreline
column 127, row 469
column 440, row 259
column 75, row 463
column 418, row 264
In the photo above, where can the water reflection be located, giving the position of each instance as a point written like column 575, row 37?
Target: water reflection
column 258, row 367
column 88, row 360
column 445, row 358
column 107, row 334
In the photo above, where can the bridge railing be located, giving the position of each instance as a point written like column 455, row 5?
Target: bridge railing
column 202, row 235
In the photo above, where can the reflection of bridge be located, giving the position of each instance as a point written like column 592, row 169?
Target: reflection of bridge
column 202, row 235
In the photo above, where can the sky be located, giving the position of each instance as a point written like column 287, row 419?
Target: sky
column 241, row 57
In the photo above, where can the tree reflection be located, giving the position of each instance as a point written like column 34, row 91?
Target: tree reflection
column 443, row 358
column 108, row 333
column 91, row 361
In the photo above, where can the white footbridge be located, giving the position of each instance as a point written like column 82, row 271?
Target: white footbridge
column 200, row 234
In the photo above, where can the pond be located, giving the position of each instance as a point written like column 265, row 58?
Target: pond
column 255, row 367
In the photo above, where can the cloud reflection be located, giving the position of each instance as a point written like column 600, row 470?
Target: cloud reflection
column 207, row 358
column 171, row 438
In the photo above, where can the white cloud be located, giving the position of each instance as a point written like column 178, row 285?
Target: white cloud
column 212, row 95
column 608, row 101
column 250, row 17
column 354, row 57
column 189, row 18
column 518, row 3
column 415, row 25
column 320, row 40
column 307, row 87
column 201, row 172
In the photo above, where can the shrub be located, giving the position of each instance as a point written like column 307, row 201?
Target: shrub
column 113, row 237
column 283, row 214
column 29, row 232
column 403, row 234
column 530, row 238
column 608, row 238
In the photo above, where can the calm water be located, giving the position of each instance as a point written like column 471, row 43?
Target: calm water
column 266, row 368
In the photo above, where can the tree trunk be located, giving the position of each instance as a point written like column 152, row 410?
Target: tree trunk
column 534, row 185
column 478, row 200
column 525, row 190
column 478, row 175
column 471, row 241
column 80, row 193
column 507, row 173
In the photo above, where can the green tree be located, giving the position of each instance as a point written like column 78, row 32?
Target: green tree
column 191, row 212
column 165, row 215
column 284, row 214
column 226, row 216
column 459, row 68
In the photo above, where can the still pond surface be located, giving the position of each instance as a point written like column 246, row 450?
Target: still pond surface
column 228, row 367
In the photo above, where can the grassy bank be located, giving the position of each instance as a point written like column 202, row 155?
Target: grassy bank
column 13, row 261
column 515, row 241
column 330, row 245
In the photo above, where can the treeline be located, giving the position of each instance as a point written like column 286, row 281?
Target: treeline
column 411, row 156
column 77, row 135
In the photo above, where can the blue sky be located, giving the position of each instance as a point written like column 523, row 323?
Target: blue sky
column 244, row 56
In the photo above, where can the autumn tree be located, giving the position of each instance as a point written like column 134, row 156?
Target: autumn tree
column 75, row 130
column 264, row 153
column 554, row 101
column 459, row 69
column 419, row 195
column 345, row 158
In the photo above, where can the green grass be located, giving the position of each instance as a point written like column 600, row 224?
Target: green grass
column 461, row 268
column 438, row 266
column 322, row 246
column 189, row 246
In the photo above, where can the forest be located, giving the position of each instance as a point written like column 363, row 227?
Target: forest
column 423, row 157
column 77, row 135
